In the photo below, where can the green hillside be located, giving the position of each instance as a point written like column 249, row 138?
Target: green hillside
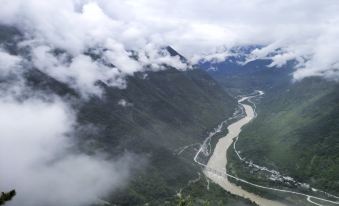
column 167, row 110
column 155, row 115
column 297, row 132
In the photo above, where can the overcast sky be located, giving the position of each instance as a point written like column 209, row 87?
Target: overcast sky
column 304, row 29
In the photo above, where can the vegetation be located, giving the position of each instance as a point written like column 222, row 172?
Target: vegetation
column 5, row 197
column 297, row 132
column 163, row 111
column 170, row 109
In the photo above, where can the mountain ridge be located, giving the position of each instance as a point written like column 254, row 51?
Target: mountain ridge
column 157, row 113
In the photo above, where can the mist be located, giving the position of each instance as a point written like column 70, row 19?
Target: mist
column 39, row 159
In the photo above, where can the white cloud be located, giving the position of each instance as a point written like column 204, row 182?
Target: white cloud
column 119, row 57
column 194, row 27
column 214, row 57
column 8, row 63
column 81, row 72
column 155, row 58
column 35, row 133
column 124, row 103
column 76, row 26
column 37, row 158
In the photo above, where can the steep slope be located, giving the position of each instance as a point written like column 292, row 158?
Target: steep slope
column 156, row 114
column 163, row 106
column 165, row 111
column 297, row 131
column 162, row 112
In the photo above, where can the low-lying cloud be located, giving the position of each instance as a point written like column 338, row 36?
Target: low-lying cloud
column 39, row 156
column 38, row 159
column 63, row 36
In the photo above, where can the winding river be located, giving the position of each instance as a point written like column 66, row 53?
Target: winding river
column 215, row 169
column 218, row 160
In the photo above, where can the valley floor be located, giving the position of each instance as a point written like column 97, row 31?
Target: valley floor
column 216, row 166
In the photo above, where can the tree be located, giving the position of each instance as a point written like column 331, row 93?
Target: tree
column 6, row 196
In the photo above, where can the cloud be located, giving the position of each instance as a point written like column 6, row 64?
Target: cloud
column 38, row 158
column 80, row 72
column 81, row 29
column 305, row 29
column 38, row 153
column 8, row 63
column 124, row 103
column 81, row 42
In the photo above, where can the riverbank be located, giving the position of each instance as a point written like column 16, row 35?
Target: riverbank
column 215, row 169
column 218, row 161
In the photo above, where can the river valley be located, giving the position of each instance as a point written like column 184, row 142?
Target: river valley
column 215, row 169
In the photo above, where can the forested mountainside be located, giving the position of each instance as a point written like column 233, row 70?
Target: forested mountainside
column 155, row 115
column 162, row 112
column 296, row 131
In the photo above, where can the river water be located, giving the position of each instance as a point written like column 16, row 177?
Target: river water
column 218, row 161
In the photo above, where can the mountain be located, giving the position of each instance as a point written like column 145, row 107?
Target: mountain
column 250, row 76
column 158, row 113
column 163, row 112
column 296, row 131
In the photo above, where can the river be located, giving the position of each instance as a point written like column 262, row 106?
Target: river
column 218, row 160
